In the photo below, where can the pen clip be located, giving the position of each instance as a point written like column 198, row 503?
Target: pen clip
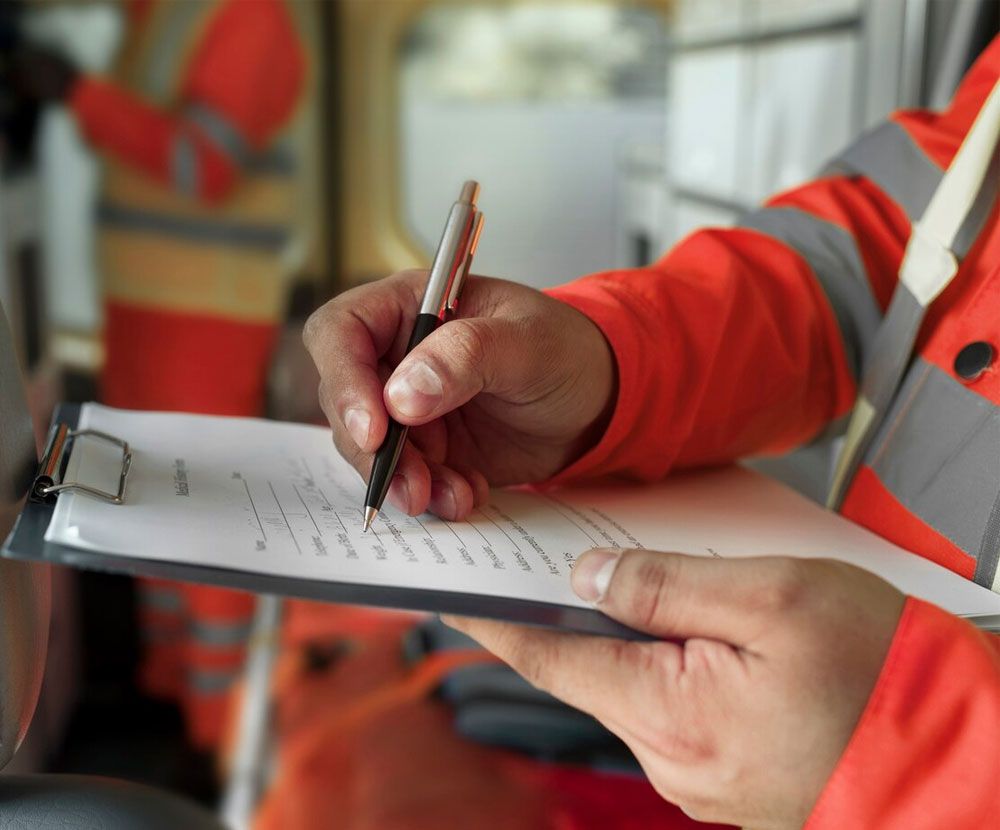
column 451, row 306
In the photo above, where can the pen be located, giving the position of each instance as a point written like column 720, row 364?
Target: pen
column 444, row 285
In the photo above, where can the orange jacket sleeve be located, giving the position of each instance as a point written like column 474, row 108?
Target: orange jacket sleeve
column 926, row 752
column 737, row 342
column 247, row 70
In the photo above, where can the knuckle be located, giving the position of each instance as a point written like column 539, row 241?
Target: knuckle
column 665, row 662
column 327, row 399
column 629, row 659
column 348, row 450
column 414, row 279
column 325, row 321
column 707, row 659
column 469, row 341
column 651, row 580
column 314, row 323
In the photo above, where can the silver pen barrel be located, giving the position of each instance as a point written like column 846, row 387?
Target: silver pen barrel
column 452, row 252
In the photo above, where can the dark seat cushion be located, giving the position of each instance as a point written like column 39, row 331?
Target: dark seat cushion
column 68, row 802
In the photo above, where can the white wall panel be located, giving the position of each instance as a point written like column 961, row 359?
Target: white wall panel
column 549, row 177
column 68, row 170
column 707, row 100
column 776, row 15
column 690, row 215
column 700, row 20
column 802, row 110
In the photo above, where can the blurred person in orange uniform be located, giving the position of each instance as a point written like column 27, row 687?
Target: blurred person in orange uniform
column 198, row 215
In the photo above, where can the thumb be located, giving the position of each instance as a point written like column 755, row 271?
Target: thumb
column 452, row 365
column 673, row 595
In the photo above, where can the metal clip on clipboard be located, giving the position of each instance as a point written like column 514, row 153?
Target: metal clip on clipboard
column 49, row 479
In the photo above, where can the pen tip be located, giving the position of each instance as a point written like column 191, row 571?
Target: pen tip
column 370, row 514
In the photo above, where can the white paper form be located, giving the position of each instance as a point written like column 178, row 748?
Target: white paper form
column 276, row 498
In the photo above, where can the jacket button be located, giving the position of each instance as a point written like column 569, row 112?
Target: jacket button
column 973, row 360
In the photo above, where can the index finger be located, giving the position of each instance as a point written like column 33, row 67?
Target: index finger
column 613, row 680
column 346, row 338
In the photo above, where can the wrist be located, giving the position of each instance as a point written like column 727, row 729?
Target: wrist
column 600, row 372
column 629, row 435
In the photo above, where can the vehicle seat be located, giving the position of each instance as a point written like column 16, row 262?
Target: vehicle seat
column 50, row 802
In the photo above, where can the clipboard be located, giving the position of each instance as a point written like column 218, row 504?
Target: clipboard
column 681, row 514
column 27, row 542
column 49, row 481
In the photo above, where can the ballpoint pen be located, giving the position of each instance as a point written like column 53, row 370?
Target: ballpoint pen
column 444, row 285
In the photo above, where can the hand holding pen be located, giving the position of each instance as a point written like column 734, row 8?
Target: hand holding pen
column 510, row 391
column 444, row 287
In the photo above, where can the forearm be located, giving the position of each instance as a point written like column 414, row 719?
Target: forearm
column 160, row 144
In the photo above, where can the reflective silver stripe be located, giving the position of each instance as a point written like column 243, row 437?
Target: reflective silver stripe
column 981, row 208
column 278, row 161
column 167, row 50
column 883, row 371
column 219, row 634
column 184, row 165
column 893, row 161
column 205, row 231
column 989, row 549
column 833, row 256
column 892, row 348
column 938, row 453
column 897, row 335
column 212, row 681
column 221, row 131
column 160, row 598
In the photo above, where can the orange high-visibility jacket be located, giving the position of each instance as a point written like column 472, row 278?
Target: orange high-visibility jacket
column 198, row 200
column 752, row 339
column 198, row 206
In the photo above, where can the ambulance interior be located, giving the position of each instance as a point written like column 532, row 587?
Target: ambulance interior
column 601, row 132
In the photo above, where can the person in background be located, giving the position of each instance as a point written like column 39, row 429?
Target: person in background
column 199, row 213
column 779, row 693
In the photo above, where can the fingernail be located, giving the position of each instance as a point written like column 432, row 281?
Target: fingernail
column 592, row 574
column 399, row 493
column 358, row 422
column 443, row 498
column 416, row 390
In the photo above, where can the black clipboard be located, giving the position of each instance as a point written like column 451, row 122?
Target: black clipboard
column 27, row 542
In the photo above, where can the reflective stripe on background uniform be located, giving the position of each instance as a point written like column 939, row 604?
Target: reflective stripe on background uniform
column 218, row 625
column 162, row 635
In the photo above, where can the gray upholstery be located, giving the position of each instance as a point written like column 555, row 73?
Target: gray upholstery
column 24, row 589
column 79, row 802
